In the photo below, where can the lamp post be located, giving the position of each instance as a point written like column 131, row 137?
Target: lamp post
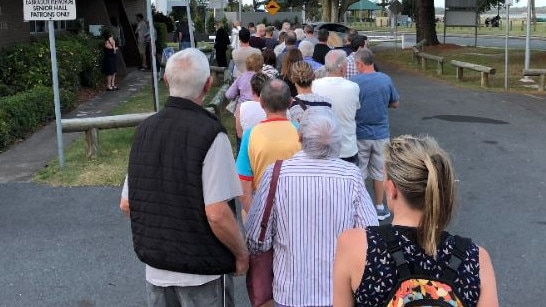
column 528, row 42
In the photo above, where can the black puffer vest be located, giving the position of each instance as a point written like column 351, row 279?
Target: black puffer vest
column 168, row 220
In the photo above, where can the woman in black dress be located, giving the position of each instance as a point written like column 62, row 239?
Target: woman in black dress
column 109, row 63
column 221, row 45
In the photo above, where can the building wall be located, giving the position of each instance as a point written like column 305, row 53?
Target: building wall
column 12, row 27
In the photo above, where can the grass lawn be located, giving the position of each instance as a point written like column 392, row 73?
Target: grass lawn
column 483, row 56
column 111, row 166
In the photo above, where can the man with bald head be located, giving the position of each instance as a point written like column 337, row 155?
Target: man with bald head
column 275, row 138
column 181, row 175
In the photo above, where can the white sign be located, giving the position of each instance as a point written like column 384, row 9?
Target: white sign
column 49, row 9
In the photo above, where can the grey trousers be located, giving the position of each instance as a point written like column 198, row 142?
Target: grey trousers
column 209, row 294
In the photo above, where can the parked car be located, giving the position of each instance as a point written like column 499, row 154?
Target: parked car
column 330, row 26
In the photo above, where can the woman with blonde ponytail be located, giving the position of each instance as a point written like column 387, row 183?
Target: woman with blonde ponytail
column 420, row 190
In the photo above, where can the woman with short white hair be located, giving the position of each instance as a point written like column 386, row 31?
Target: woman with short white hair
column 318, row 196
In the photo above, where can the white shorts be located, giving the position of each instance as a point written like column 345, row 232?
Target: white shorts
column 370, row 158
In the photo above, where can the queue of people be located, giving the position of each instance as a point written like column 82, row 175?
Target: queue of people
column 299, row 174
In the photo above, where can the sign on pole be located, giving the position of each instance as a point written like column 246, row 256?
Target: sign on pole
column 49, row 10
column 272, row 7
column 52, row 10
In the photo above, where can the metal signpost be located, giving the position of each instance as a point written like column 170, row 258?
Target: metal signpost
column 51, row 11
column 507, row 3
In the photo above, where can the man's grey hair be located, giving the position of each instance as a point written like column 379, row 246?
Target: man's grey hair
column 335, row 60
column 365, row 56
column 320, row 133
column 187, row 72
column 275, row 96
column 306, row 48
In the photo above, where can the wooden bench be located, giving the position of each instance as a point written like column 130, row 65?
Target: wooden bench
column 91, row 126
column 425, row 56
column 533, row 72
column 484, row 70
column 218, row 100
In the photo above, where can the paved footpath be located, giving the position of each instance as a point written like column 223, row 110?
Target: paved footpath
column 72, row 246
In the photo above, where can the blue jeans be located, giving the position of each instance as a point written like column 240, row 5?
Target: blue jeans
column 184, row 45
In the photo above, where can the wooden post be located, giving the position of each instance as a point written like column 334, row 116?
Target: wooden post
column 459, row 73
column 423, row 63
column 541, row 83
column 440, row 69
column 92, row 143
column 485, row 79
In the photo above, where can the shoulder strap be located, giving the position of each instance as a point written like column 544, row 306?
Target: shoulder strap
column 269, row 200
column 458, row 255
column 301, row 103
column 395, row 250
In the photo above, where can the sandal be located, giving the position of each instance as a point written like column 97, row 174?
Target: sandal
column 115, row 88
column 109, row 89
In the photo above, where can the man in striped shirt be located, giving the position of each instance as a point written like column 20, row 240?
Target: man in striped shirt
column 318, row 196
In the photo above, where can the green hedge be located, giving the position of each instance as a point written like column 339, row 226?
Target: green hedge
column 23, row 113
column 24, row 66
column 161, row 39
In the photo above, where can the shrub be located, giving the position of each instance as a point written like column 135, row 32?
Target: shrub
column 161, row 39
column 24, row 66
column 23, row 113
column 211, row 23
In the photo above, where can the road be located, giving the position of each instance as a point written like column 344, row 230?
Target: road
column 465, row 40
column 72, row 246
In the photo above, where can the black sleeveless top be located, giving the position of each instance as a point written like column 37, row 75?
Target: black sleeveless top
column 380, row 274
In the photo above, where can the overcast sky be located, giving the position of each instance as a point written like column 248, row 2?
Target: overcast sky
column 521, row 3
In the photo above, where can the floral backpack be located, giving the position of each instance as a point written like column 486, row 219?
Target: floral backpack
column 417, row 289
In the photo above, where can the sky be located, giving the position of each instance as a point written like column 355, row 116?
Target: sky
column 521, row 3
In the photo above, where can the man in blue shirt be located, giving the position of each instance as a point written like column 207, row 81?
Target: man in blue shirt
column 377, row 94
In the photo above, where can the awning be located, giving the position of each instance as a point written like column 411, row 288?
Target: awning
column 364, row 5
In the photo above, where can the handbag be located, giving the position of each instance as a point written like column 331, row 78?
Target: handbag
column 259, row 278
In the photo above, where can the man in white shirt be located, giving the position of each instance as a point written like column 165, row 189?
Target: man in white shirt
column 240, row 54
column 345, row 100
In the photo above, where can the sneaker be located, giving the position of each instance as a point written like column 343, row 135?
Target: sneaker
column 383, row 214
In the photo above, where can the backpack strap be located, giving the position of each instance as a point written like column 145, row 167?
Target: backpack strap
column 395, row 250
column 301, row 103
column 457, row 257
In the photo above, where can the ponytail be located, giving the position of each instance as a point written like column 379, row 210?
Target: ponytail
column 422, row 172
column 438, row 204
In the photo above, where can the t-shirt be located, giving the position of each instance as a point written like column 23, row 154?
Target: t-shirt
column 220, row 183
column 272, row 139
column 345, row 103
column 239, row 56
column 376, row 93
column 251, row 113
column 142, row 31
column 310, row 100
column 257, row 42
column 319, row 53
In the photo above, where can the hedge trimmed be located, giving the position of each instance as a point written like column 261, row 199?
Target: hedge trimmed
column 25, row 112
column 25, row 65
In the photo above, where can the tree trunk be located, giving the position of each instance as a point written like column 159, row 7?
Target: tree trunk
column 426, row 22
column 344, row 5
column 335, row 10
column 326, row 10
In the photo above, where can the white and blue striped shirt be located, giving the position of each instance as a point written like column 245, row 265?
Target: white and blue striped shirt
column 316, row 200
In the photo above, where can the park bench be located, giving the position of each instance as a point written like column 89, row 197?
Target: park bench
column 533, row 72
column 425, row 56
column 484, row 70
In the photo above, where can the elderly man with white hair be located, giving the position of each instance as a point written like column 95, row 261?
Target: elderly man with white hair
column 317, row 197
column 181, row 175
column 344, row 95
column 307, row 48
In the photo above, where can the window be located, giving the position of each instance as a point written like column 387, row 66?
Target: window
column 40, row 26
